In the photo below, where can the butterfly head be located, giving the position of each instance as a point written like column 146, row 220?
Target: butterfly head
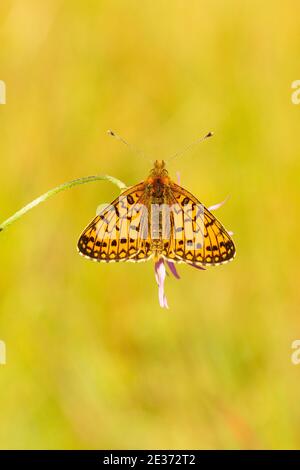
column 158, row 174
column 159, row 165
column 159, row 169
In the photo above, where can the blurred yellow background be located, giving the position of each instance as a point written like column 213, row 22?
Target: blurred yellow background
column 92, row 360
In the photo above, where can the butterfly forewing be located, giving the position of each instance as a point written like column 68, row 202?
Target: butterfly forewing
column 120, row 231
column 198, row 237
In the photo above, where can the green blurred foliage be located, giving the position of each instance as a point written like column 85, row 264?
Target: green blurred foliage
column 92, row 360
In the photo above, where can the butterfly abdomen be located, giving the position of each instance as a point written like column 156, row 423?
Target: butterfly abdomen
column 159, row 199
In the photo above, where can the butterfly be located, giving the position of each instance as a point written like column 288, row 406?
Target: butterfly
column 157, row 219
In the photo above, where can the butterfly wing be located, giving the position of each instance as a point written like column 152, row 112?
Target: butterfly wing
column 196, row 236
column 120, row 232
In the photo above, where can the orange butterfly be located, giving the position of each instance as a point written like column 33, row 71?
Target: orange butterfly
column 157, row 219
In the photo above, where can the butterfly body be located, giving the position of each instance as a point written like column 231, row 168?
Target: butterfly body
column 157, row 218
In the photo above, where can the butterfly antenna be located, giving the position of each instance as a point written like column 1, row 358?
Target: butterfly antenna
column 134, row 150
column 188, row 147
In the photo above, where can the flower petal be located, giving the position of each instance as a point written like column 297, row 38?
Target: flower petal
column 217, row 206
column 197, row 267
column 173, row 269
column 160, row 275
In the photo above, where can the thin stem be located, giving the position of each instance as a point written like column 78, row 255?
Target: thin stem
column 57, row 189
